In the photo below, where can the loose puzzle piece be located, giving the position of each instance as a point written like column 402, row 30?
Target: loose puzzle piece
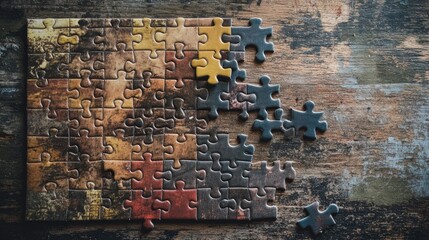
column 254, row 36
column 317, row 220
column 308, row 120
column 121, row 121
column 267, row 126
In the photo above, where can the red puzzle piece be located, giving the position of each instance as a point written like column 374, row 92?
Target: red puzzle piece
column 183, row 202
column 147, row 208
column 148, row 168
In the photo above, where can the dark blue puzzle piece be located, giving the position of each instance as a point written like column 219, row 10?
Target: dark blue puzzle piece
column 238, row 97
column 316, row 219
column 267, row 126
column 308, row 120
column 254, row 36
column 231, row 61
column 214, row 100
column 264, row 98
column 227, row 152
column 239, row 173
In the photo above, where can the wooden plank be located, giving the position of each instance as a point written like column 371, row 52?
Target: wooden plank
column 365, row 64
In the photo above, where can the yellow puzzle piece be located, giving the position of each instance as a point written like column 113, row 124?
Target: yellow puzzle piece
column 144, row 36
column 208, row 65
column 214, row 38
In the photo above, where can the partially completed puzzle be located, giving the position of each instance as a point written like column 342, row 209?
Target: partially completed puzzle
column 117, row 120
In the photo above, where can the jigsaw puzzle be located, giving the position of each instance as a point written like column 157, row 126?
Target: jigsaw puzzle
column 114, row 129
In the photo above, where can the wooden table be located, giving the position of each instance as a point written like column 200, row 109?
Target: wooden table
column 364, row 63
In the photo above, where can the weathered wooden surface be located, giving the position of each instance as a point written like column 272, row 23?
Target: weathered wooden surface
column 365, row 63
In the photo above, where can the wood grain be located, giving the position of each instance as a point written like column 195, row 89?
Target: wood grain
column 364, row 63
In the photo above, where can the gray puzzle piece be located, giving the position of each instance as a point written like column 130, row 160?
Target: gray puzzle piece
column 308, row 120
column 227, row 152
column 259, row 208
column 239, row 173
column 316, row 219
column 213, row 178
column 187, row 173
column 209, row 207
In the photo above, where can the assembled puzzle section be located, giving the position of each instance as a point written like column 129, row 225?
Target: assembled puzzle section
column 113, row 126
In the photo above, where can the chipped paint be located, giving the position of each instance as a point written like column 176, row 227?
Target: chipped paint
column 394, row 164
column 381, row 191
